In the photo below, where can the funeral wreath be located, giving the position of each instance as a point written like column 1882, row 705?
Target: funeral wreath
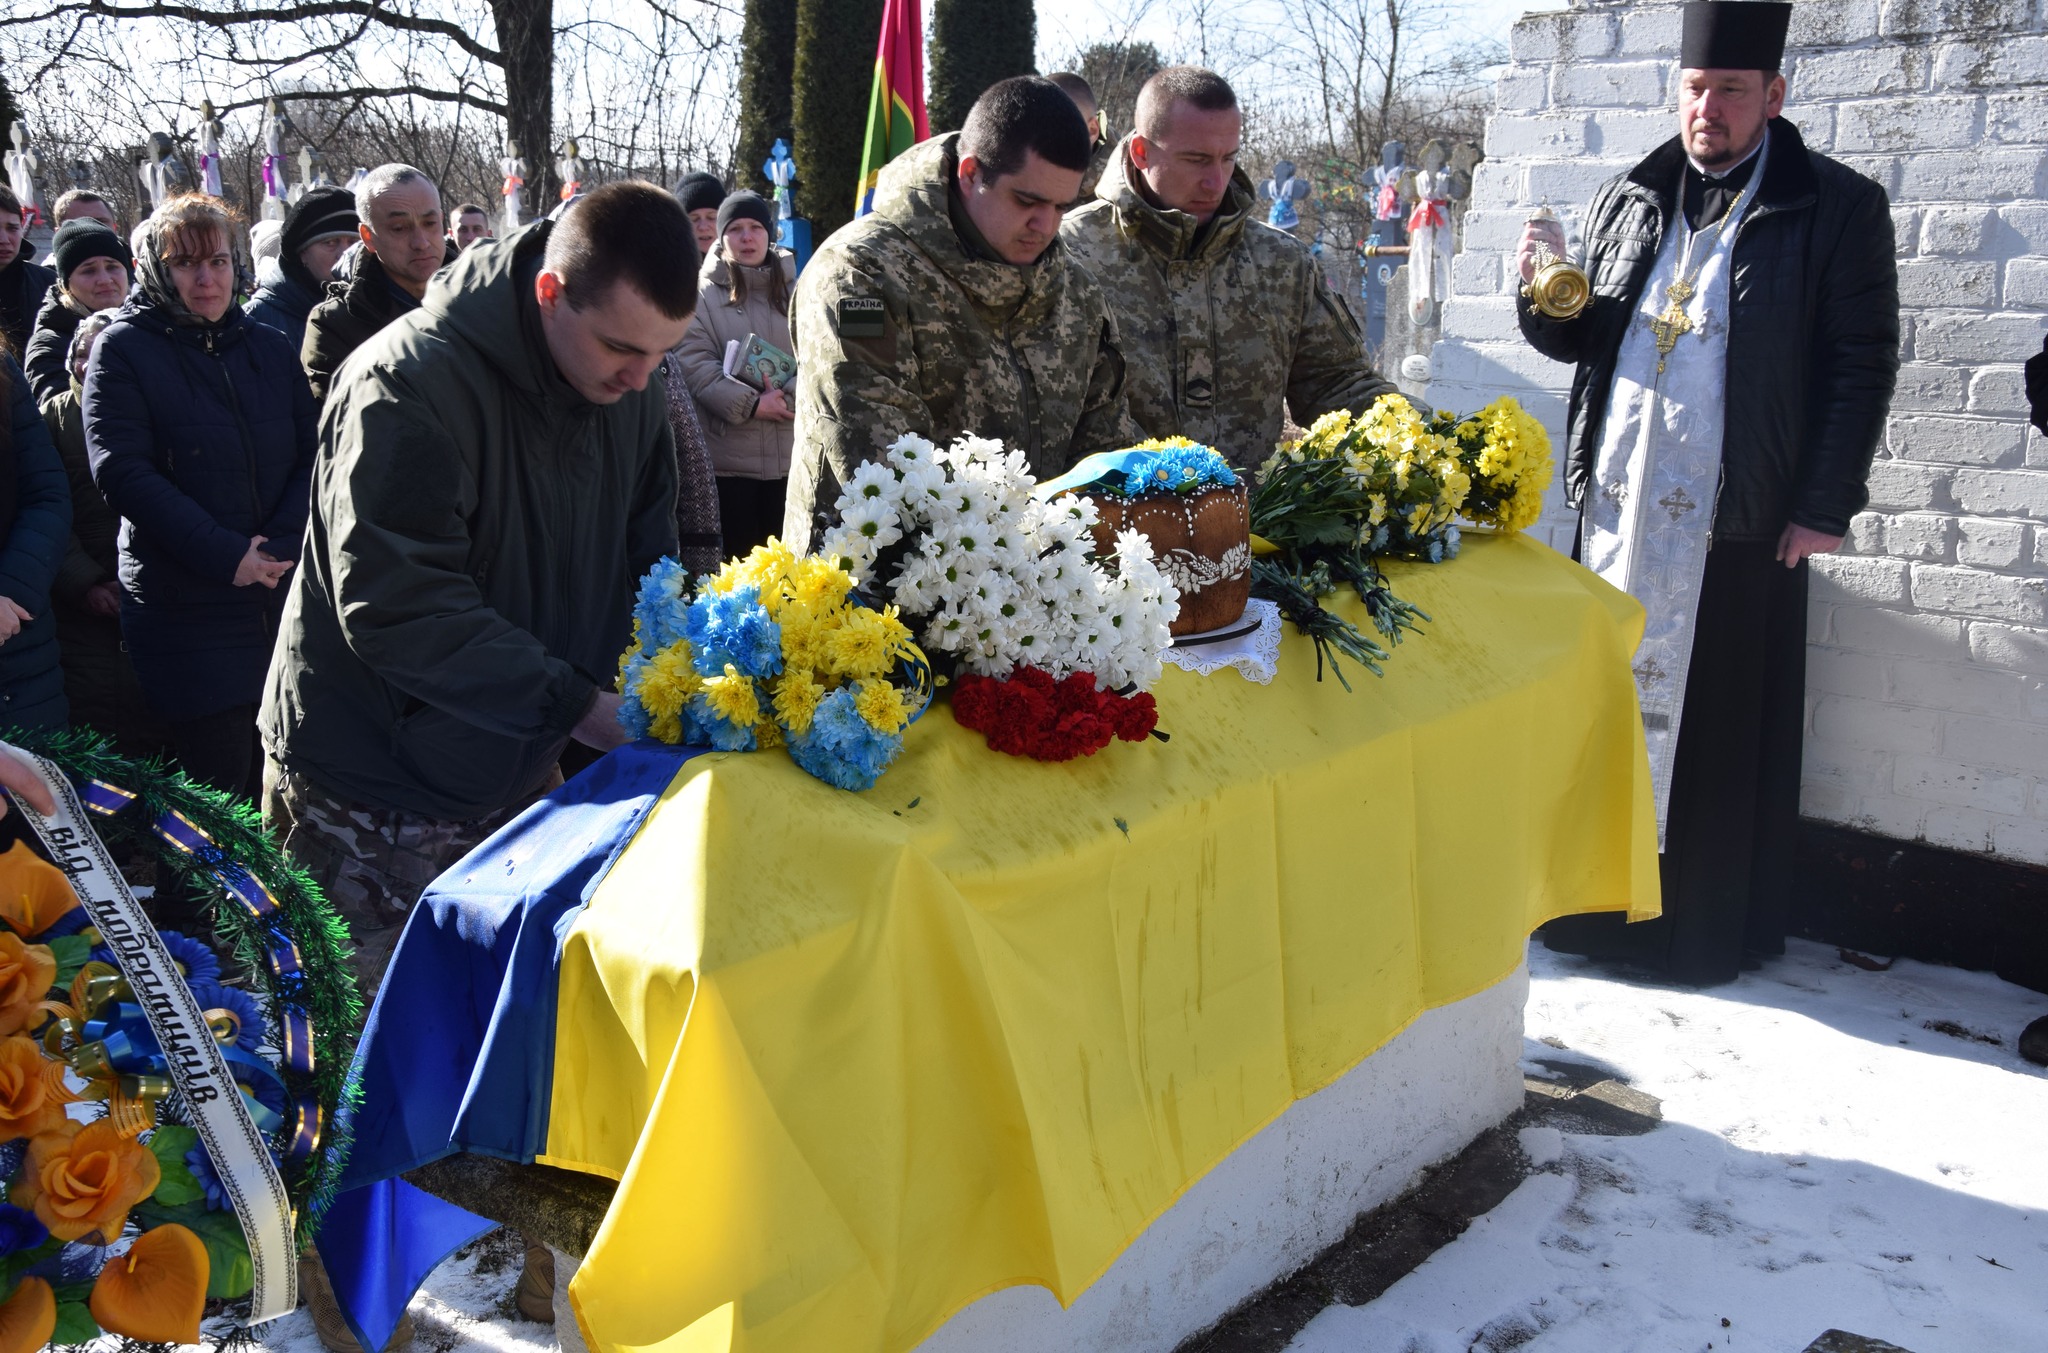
column 167, row 1096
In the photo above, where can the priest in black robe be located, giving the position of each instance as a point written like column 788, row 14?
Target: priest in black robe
column 1735, row 364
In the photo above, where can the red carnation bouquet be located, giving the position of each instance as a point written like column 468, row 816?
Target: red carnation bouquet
column 1028, row 713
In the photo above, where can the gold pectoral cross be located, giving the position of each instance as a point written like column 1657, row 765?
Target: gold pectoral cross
column 1673, row 324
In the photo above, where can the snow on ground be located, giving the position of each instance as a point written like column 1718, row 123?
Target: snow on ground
column 1840, row 1149
column 1827, row 1160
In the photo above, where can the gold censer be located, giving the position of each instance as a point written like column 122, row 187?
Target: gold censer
column 1558, row 288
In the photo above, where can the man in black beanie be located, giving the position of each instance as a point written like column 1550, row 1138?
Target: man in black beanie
column 318, row 230
column 94, row 269
column 701, row 195
column 1735, row 365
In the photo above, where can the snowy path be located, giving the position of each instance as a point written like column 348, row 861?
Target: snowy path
column 1826, row 1160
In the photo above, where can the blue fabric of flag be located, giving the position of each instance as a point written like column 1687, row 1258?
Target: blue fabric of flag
column 458, row 1052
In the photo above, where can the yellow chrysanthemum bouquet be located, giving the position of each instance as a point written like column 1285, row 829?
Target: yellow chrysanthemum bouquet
column 773, row 650
column 1392, row 482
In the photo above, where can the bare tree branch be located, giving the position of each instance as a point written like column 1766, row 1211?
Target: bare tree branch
column 291, row 13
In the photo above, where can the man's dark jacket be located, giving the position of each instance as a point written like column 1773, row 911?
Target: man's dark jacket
column 99, row 679
column 35, row 524
column 362, row 301
column 478, row 532
column 48, row 361
column 283, row 303
column 1813, row 343
column 23, row 285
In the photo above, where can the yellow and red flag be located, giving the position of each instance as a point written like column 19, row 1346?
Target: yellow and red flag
column 896, row 116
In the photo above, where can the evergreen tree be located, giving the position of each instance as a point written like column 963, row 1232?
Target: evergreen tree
column 835, row 71
column 767, row 85
column 974, row 44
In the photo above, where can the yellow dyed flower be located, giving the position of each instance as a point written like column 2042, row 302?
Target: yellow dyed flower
column 894, row 632
column 632, row 649
column 881, row 705
column 733, row 698
column 767, row 734
column 796, row 698
column 668, row 681
column 819, row 583
column 666, row 728
column 861, row 645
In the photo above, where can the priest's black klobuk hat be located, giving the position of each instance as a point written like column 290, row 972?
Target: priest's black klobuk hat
column 1734, row 35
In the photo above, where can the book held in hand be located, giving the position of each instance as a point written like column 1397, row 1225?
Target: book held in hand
column 759, row 363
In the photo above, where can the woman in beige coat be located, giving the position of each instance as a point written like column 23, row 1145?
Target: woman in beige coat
column 745, row 291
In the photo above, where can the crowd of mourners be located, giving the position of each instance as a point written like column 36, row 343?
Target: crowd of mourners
column 353, row 529
column 165, row 388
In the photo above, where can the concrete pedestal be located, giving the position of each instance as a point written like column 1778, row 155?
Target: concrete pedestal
column 1284, row 1196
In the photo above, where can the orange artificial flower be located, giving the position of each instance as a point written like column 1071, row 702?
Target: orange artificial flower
column 82, row 1180
column 30, row 1102
column 28, row 1318
column 34, row 894
column 156, row 1292
column 26, row 971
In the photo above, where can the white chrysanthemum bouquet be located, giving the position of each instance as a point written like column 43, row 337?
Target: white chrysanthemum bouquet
column 1004, row 581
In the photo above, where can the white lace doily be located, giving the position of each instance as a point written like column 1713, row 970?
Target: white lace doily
column 1256, row 655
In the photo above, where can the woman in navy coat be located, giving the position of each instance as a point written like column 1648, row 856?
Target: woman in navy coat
column 35, row 529
column 201, row 430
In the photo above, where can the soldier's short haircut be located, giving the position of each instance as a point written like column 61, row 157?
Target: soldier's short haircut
column 1203, row 89
column 382, row 180
column 466, row 209
column 1020, row 115
column 1078, row 89
column 632, row 233
column 71, row 196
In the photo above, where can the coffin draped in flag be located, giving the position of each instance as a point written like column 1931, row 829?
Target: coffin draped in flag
column 896, row 115
column 857, row 1058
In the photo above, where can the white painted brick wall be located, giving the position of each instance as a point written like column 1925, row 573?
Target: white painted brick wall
column 1928, row 662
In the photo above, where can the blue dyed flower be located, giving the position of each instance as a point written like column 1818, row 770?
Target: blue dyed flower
column 194, row 958
column 632, row 714
column 841, row 748
column 661, row 603
column 200, row 1163
column 734, row 627
column 704, row 727
column 246, row 1008
column 1177, row 469
column 20, row 1229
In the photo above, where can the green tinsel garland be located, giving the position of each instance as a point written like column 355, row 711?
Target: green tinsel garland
column 325, row 987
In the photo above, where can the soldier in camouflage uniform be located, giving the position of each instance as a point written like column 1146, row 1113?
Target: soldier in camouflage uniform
column 953, row 308
column 1100, row 147
column 1227, row 324
column 373, row 863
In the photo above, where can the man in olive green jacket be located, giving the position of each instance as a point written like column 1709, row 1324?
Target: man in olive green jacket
column 1227, row 324
column 953, row 309
column 495, row 474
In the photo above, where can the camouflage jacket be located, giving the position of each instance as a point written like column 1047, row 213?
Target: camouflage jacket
column 898, row 328
column 1226, row 329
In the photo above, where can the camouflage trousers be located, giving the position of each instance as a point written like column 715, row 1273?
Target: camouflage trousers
column 373, row 863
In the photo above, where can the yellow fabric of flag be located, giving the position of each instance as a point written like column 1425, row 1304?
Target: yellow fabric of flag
column 858, row 1059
